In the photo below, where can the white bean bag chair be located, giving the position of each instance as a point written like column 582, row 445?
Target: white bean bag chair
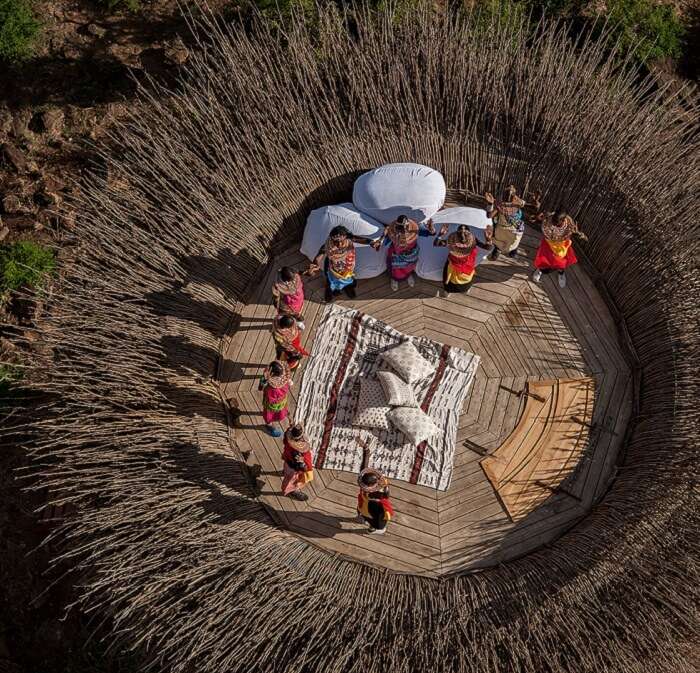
column 368, row 262
column 399, row 189
column 431, row 259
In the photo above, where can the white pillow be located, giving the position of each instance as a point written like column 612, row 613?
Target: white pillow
column 388, row 191
column 414, row 423
column 371, row 406
column 407, row 362
column 398, row 392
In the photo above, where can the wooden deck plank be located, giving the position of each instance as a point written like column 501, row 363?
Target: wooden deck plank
column 523, row 332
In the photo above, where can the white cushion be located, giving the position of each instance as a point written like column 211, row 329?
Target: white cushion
column 386, row 192
column 398, row 392
column 407, row 362
column 431, row 260
column 372, row 408
column 414, row 423
column 368, row 262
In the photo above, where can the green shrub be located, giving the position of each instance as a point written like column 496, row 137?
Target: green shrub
column 654, row 30
column 18, row 30
column 25, row 264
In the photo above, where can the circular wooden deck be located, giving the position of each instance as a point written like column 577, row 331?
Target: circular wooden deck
column 523, row 332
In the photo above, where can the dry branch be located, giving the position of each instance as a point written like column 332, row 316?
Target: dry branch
column 262, row 128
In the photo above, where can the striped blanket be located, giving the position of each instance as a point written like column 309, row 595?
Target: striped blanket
column 348, row 345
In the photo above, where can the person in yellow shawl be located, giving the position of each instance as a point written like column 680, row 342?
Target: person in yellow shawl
column 507, row 216
column 460, row 266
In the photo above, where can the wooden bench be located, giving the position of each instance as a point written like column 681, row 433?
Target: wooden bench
column 545, row 447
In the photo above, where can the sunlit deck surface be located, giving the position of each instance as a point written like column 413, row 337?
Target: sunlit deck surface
column 523, row 332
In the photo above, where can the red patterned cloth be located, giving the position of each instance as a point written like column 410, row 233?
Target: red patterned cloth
column 556, row 255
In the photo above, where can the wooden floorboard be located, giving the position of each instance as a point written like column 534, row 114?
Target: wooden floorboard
column 522, row 332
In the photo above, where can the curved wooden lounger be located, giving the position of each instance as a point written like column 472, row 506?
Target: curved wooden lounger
column 545, row 447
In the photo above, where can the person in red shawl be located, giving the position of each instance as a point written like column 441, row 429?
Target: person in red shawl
column 298, row 467
column 556, row 252
column 373, row 503
column 287, row 337
column 460, row 266
column 288, row 294
column 275, row 384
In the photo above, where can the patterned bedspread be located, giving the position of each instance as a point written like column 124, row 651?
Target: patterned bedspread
column 348, row 345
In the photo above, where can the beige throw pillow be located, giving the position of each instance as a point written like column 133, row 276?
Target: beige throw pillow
column 371, row 406
column 398, row 392
column 407, row 362
column 414, row 423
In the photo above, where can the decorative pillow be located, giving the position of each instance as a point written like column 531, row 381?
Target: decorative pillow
column 398, row 392
column 407, row 362
column 371, row 406
column 414, row 423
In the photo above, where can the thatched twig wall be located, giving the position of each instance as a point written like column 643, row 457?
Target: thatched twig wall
column 180, row 557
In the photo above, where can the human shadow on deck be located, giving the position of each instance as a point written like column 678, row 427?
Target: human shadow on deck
column 207, row 293
column 198, row 308
column 225, row 480
column 231, row 486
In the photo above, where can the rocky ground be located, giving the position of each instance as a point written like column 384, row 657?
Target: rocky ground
column 52, row 109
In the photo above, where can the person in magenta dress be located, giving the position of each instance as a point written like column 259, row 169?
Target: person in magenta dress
column 297, row 469
column 275, row 384
column 556, row 251
column 401, row 237
column 288, row 294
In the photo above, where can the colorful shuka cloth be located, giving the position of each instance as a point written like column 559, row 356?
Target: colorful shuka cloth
column 340, row 266
column 288, row 342
column 289, row 296
column 509, row 227
column 556, row 250
column 461, row 260
column 402, row 255
column 375, row 508
column 298, row 464
column 276, row 395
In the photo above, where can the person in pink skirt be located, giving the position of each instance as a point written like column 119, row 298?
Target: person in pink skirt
column 275, row 384
column 298, row 468
column 288, row 294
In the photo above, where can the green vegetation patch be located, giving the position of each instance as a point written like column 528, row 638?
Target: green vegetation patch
column 656, row 29
column 25, row 264
column 18, row 30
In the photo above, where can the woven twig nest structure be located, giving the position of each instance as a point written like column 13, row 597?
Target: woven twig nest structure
column 210, row 180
